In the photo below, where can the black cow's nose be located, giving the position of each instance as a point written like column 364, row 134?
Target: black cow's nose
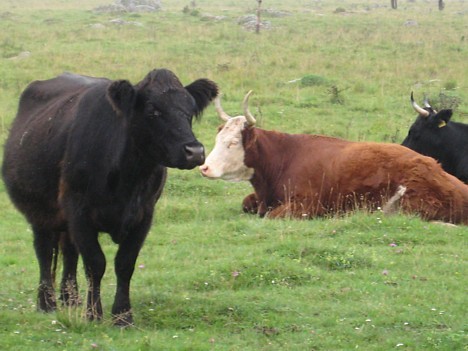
column 195, row 153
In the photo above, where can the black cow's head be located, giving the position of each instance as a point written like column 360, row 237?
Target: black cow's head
column 163, row 110
column 427, row 135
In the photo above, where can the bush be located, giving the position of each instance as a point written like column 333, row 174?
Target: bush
column 313, row 80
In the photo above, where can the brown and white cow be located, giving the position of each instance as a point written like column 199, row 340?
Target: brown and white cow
column 303, row 176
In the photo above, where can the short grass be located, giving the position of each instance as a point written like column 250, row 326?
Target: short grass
column 210, row 277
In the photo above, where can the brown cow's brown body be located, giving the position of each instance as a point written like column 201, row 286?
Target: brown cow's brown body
column 303, row 176
column 311, row 175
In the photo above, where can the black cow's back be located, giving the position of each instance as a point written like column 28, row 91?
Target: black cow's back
column 37, row 141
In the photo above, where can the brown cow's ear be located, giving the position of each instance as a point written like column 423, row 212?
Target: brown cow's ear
column 121, row 96
column 203, row 91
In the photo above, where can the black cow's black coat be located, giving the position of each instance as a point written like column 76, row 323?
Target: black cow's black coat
column 440, row 138
column 88, row 155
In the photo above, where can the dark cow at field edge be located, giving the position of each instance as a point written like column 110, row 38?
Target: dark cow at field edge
column 303, row 176
column 88, row 155
column 434, row 134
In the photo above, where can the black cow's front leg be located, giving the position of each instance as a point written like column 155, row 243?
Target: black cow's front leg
column 45, row 245
column 94, row 261
column 124, row 267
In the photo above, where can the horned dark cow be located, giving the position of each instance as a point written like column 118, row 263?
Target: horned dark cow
column 434, row 134
column 302, row 176
column 88, row 155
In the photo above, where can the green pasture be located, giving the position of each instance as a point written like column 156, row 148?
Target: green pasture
column 210, row 277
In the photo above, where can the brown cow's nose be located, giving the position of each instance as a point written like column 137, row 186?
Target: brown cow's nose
column 203, row 169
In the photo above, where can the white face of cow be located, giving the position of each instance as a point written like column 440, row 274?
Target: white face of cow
column 226, row 160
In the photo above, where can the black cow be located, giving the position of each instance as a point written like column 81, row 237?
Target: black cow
column 88, row 155
column 434, row 134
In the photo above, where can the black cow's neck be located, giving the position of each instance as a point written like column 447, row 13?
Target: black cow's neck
column 140, row 144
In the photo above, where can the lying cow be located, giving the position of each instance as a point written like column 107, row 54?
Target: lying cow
column 88, row 155
column 434, row 134
column 302, row 176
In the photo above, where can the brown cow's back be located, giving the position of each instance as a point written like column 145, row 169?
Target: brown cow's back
column 431, row 192
column 435, row 194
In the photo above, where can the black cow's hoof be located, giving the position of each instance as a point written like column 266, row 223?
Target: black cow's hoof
column 123, row 320
column 46, row 299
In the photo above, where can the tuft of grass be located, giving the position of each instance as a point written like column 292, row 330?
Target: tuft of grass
column 313, row 80
column 450, row 85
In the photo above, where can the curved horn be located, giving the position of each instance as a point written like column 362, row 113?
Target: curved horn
column 248, row 116
column 426, row 104
column 417, row 108
column 221, row 114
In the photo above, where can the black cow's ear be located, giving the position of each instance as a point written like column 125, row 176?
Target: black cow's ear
column 121, row 96
column 203, row 91
column 444, row 115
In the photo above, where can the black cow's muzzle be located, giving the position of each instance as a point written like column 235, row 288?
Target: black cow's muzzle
column 194, row 154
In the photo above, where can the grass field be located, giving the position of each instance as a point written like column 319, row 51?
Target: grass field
column 210, row 277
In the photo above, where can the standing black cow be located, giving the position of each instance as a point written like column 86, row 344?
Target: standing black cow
column 88, row 155
column 433, row 134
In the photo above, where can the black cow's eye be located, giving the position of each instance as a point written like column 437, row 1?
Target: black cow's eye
column 155, row 114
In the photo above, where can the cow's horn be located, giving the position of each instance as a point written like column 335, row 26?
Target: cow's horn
column 223, row 115
column 428, row 105
column 426, row 102
column 417, row 108
column 248, row 116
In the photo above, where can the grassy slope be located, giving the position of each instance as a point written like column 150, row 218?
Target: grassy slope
column 211, row 277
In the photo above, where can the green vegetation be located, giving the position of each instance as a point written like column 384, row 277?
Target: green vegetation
column 210, row 277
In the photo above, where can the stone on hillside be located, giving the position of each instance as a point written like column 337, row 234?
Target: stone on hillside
column 249, row 22
column 121, row 22
column 21, row 56
column 123, row 6
column 411, row 23
column 208, row 17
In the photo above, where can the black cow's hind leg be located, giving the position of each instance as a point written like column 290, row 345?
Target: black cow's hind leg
column 69, row 286
column 46, row 246
column 94, row 261
column 95, row 266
